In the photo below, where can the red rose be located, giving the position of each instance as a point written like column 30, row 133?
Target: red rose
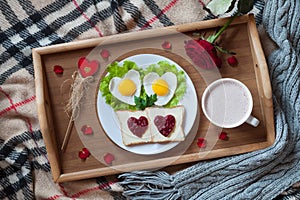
column 202, row 53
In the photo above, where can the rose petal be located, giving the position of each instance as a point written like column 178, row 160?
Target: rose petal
column 232, row 61
column 223, row 136
column 104, row 54
column 206, row 45
column 81, row 60
column 218, row 61
column 87, row 130
column 84, row 153
column 108, row 158
column 166, row 45
column 201, row 143
column 58, row 69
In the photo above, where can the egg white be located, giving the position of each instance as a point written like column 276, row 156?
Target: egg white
column 114, row 83
column 169, row 77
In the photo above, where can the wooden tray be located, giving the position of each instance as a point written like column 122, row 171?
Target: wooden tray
column 241, row 37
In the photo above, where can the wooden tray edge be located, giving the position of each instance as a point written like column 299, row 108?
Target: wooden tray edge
column 263, row 78
column 44, row 115
column 196, row 157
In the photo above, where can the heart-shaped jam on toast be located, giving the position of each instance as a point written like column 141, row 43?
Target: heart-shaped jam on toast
column 138, row 126
column 165, row 125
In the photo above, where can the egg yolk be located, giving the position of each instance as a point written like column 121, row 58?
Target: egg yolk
column 127, row 87
column 160, row 87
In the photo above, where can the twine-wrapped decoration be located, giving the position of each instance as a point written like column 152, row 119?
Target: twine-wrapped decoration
column 82, row 80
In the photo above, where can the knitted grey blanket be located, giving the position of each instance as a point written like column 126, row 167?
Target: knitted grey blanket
column 261, row 174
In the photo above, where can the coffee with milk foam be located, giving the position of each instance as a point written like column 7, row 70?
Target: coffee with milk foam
column 227, row 103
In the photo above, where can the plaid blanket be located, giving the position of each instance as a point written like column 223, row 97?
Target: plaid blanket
column 25, row 171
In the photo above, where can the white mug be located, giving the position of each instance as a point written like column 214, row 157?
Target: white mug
column 228, row 103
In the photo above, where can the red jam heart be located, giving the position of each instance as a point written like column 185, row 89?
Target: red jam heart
column 165, row 125
column 86, row 67
column 138, row 126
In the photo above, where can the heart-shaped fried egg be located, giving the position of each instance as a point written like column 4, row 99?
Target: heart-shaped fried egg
column 163, row 86
column 127, row 87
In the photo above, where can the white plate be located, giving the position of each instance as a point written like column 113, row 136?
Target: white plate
column 109, row 120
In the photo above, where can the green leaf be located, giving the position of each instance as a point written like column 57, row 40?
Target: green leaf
column 152, row 99
column 218, row 7
column 224, row 50
column 144, row 101
column 244, row 6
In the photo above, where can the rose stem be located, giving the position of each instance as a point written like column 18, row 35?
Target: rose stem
column 213, row 38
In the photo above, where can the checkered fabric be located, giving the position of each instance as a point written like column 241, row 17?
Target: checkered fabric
column 26, row 24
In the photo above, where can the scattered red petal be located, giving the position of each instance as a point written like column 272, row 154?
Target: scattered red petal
column 223, row 136
column 232, row 61
column 201, row 143
column 81, row 60
column 108, row 158
column 86, row 130
column 87, row 67
column 104, row 54
column 166, row 45
column 84, row 153
column 58, row 69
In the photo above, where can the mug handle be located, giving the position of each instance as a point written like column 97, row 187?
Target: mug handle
column 252, row 121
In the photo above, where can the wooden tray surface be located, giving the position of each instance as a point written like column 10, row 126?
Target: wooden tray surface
column 241, row 37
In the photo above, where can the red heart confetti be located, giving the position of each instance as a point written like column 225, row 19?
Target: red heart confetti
column 166, row 45
column 86, row 67
column 232, row 61
column 104, row 54
column 58, row 69
column 108, row 158
column 223, row 136
column 165, row 125
column 81, row 60
column 84, row 153
column 87, row 130
column 138, row 126
column 201, row 143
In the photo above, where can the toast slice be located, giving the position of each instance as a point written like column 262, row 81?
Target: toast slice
column 134, row 126
column 166, row 124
